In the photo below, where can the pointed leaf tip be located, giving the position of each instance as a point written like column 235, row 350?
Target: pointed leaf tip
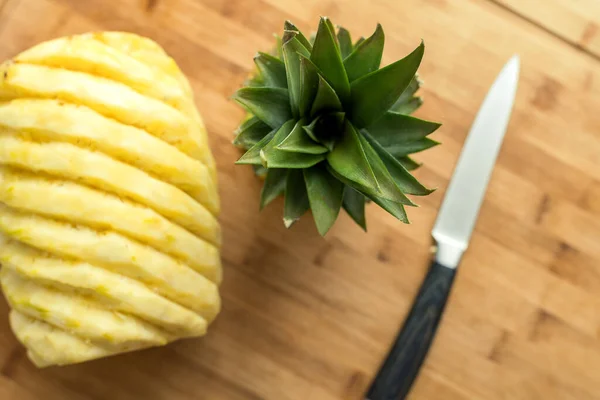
column 366, row 57
column 272, row 70
column 354, row 204
column 287, row 36
column 409, row 92
column 325, row 194
column 389, row 190
column 409, row 163
column 401, row 177
column 404, row 149
column 394, row 208
column 277, row 158
column 373, row 94
column 354, row 159
column 394, row 129
column 270, row 105
column 273, row 187
column 326, row 56
column 253, row 155
column 326, row 99
column 345, row 41
column 349, row 160
column 332, row 30
column 250, row 133
column 298, row 141
column 289, row 26
column 408, row 107
column 296, row 202
column 293, row 50
column 309, row 85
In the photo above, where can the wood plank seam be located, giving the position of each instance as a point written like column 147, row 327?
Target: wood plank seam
column 590, row 31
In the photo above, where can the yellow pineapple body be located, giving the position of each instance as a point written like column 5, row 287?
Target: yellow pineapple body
column 109, row 238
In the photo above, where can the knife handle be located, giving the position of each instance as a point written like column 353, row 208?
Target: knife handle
column 395, row 378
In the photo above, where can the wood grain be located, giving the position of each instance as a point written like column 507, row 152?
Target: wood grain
column 409, row 351
column 308, row 318
column 574, row 21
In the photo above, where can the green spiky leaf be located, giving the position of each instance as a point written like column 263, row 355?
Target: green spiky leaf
column 298, row 141
column 332, row 30
column 404, row 149
column 251, row 132
column 289, row 26
column 354, row 204
column 403, row 179
column 310, row 130
column 396, row 209
column 409, row 92
column 394, row 128
column 270, row 105
column 408, row 107
column 274, row 186
column 309, row 85
column 272, row 70
column 366, row 58
column 388, row 189
column 368, row 170
column 273, row 157
column 349, row 160
column 326, row 56
column 326, row 99
column 296, row 198
column 345, row 42
column 293, row 49
column 375, row 93
column 409, row 163
column 325, row 196
column 253, row 155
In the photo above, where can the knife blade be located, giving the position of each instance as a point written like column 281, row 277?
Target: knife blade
column 452, row 231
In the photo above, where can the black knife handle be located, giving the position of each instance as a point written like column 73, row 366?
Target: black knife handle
column 396, row 376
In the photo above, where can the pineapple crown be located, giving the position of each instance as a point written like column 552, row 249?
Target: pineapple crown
column 329, row 129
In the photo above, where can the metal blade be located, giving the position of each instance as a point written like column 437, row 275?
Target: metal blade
column 457, row 216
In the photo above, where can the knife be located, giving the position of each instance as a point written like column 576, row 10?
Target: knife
column 451, row 233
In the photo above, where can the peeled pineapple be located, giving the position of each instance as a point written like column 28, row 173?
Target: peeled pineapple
column 109, row 239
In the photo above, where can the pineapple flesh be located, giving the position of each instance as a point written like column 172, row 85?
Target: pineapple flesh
column 109, row 238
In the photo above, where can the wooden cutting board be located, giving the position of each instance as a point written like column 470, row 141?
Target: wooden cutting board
column 309, row 318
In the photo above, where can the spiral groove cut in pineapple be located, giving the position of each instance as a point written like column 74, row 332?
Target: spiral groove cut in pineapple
column 109, row 239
